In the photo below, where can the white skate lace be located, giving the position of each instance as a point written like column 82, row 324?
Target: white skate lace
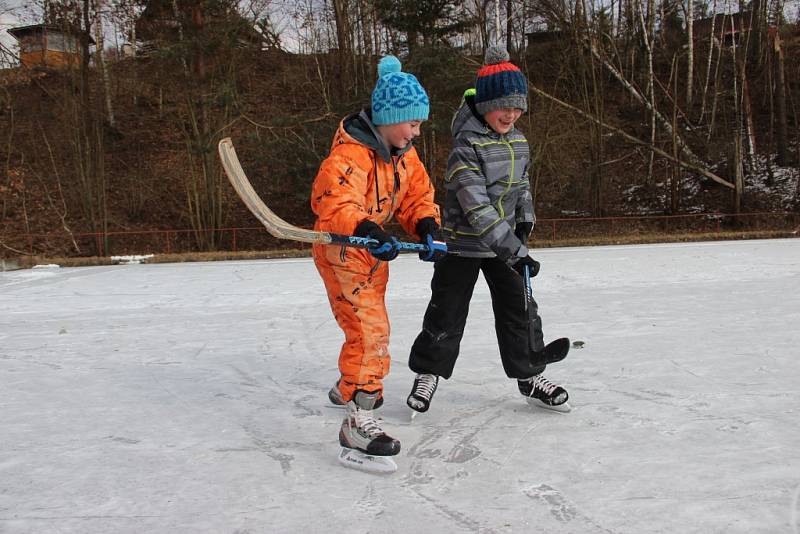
column 425, row 386
column 365, row 420
column 540, row 382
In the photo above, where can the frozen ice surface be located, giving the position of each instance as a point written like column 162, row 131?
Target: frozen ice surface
column 191, row 398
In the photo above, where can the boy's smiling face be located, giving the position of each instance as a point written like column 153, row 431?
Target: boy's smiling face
column 502, row 120
column 401, row 134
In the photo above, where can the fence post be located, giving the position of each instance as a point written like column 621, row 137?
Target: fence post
column 234, row 240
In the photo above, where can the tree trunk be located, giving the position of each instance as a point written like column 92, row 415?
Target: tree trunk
column 689, row 55
column 738, row 172
column 780, row 88
column 509, row 27
column 738, row 159
column 343, row 43
column 88, row 143
column 177, row 14
column 101, row 64
column 711, row 47
column 676, row 170
column 756, row 34
column 651, row 97
column 747, row 110
column 496, row 21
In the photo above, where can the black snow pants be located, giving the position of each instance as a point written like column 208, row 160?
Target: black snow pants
column 519, row 331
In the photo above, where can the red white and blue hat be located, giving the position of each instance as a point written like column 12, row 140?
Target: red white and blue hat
column 500, row 83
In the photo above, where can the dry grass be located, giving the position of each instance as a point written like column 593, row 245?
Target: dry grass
column 638, row 239
column 30, row 261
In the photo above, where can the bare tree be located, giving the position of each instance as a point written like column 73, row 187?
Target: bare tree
column 99, row 37
column 780, row 89
column 689, row 53
column 344, row 43
column 647, row 33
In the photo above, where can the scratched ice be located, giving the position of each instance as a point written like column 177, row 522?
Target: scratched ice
column 191, row 398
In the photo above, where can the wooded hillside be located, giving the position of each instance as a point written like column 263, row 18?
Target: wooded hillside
column 636, row 107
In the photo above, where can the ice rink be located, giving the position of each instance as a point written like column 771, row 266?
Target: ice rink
column 191, row 398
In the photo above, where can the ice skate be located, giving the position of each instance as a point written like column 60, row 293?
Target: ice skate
column 539, row 391
column 365, row 445
column 422, row 392
column 335, row 396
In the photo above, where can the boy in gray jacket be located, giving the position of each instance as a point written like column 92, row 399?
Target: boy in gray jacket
column 487, row 217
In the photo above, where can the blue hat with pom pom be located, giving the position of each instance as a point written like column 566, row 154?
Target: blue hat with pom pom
column 500, row 83
column 398, row 96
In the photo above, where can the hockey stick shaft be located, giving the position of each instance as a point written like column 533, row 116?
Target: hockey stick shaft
column 277, row 226
column 526, row 281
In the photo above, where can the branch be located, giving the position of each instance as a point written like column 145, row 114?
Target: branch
column 688, row 165
column 638, row 96
column 12, row 249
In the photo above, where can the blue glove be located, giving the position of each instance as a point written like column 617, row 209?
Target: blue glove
column 387, row 248
column 387, row 251
column 437, row 249
column 431, row 235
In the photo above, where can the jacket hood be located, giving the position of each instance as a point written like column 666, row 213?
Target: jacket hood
column 467, row 118
column 360, row 129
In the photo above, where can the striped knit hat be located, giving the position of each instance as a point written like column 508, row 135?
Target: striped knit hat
column 500, row 83
column 398, row 96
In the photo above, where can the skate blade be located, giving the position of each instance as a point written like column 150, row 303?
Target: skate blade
column 344, row 406
column 355, row 459
column 561, row 408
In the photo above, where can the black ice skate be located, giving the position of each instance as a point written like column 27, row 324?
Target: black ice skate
column 422, row 392
column 539, row 391
column 365, row 445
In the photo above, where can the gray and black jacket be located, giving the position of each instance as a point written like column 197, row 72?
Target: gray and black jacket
column 487, row 188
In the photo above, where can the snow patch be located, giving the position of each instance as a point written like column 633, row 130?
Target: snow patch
column 131, row 260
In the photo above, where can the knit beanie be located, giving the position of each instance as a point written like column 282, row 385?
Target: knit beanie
column 500, row 83
column 398, row 96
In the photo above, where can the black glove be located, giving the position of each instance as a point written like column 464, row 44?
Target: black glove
column 523, row 230
column 387, row 248
column 533, row 266
column 430, row 234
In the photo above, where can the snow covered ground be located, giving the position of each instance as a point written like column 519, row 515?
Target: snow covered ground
column 189, row 398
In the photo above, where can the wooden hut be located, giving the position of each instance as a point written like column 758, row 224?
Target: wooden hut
column 41, row 45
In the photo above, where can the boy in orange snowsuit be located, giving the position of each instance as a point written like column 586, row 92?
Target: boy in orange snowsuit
column 372, row 174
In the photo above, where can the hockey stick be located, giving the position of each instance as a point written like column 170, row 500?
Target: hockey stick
column 555, row 351
column 527, row 285
column 277, row 226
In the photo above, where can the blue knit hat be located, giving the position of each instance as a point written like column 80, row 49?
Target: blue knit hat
column 500, row 83
column 398, row 96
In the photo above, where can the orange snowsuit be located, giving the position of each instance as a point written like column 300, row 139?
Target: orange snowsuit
column 360, row 179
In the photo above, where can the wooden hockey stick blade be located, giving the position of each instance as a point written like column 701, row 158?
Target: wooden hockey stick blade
column 274, row 224
column 277, row 226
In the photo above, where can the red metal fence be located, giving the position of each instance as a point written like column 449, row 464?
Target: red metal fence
column 122, row 242
column 695, row 223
